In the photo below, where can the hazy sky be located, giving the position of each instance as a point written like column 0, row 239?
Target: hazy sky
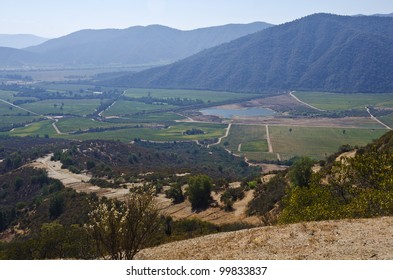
column 54, row 18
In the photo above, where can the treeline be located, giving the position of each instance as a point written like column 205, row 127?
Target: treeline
column 17, row 77
column 39, row 93
column 176, row 101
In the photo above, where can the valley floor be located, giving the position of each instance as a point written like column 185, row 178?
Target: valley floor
column 363, row 239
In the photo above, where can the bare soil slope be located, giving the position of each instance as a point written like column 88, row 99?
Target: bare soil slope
column 328, row 240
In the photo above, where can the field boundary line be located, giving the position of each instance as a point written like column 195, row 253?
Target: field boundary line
column 34, row 113
column 377, row 120
column 18, row 107
column 304, row 103
column 269, row 142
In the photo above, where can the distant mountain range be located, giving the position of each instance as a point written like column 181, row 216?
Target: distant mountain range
column 20, row 41
column 376, row 15
column 153, row 44
column 319, row 52
column 10, row 57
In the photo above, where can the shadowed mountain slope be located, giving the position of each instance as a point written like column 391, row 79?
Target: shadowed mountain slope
column 319, row 52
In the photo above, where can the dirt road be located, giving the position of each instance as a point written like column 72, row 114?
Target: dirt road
column 269, row 142
column 377, row 120
column 77, row 182
column 304, row 103
column 225, row 136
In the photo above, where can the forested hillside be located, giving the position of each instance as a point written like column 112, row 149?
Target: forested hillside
column 319, row 52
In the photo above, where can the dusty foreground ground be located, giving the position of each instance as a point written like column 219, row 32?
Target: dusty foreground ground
column 332, row 240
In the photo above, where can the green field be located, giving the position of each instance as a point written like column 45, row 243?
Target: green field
column 388, row 119
column 252, row 139
column 6, row 109
column 205, row 96
column 173, row 133
column 155, row 133
column 79, row 107
column 244, row 134
column 317, row 142
column 7, row 95
column 67, row 125
column 161, row 117
column 155, row 122
column 63, row 87
column 41, row 128
column 6, row 121
column 341, row 102
column 12, row 96
column 123, row 107
column 255, row 146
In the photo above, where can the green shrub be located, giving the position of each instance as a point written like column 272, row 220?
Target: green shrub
column 56, row 206
column 198, row 192
column 175, row 193
column 359, row 187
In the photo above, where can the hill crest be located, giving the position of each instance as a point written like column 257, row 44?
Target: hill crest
column 153, row 44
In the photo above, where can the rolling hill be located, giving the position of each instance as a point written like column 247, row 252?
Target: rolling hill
column 153, row 44
column 20, row 41
column 320, row 52
column 10, row 57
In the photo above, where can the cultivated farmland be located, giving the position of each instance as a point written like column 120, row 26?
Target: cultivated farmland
column 84, row 112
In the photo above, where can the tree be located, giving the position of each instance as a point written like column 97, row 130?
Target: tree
column 175, row 193
column 199, row 190
column 300, row 172
column 18, row 183
column 121, row 229
column 227, row 199
column 56, row 206
column 90, row 164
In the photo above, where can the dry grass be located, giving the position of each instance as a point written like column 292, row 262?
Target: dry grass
column 364, row 239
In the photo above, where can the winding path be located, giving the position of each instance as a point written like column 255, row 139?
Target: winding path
column 77, row 182
column 56, row 128
column 225, row 136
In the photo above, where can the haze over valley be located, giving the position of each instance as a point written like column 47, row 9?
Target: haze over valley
column 167, row 135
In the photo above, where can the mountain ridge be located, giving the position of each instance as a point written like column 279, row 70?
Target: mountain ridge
column 20, row 41
column 138, row 44
column 318, row 52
